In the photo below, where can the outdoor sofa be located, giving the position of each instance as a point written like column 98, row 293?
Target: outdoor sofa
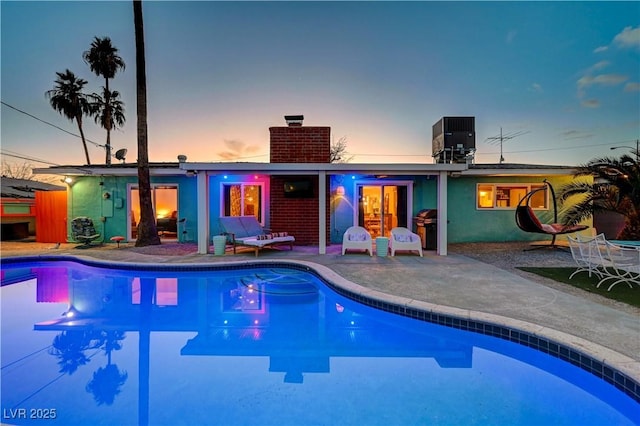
column 246, row 231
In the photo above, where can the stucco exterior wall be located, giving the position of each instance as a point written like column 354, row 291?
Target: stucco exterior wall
column 343, row 199
column 215, row 198
column 110, row 214
column 467, row 223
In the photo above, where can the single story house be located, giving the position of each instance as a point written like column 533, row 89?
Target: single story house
column 300, row 192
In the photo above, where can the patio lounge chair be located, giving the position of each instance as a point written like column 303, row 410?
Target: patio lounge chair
column 83, row 231
column 527, row 220
column 403, row 239
column 247, row 231
column 357, row 238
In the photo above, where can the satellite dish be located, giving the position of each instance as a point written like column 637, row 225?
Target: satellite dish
column 120, row 154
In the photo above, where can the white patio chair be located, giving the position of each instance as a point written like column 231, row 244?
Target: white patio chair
column 357, row 238
column 588, row 254
column 623, row 265
column 403, row 239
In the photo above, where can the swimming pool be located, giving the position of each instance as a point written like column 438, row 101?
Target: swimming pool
column 260, row 346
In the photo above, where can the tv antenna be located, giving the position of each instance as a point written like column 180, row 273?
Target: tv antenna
column 120, row 154
column 493, row 140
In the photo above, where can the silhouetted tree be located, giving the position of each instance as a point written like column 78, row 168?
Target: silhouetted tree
column 104, row 61
column 106, row 384
column 17, row 171
column 112, row 342
column 68, row 99
column 338, row 153
column 69, row 347
column 108, row 112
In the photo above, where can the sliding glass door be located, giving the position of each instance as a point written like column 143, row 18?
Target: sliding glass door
column 382, row 207
column 165, row 207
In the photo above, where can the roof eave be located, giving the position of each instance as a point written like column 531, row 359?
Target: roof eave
column 316, row 168
column 102, row 171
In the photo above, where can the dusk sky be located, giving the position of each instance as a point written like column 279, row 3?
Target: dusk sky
column 564, row 75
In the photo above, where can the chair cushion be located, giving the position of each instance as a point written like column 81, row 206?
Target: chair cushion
column 271, row 236
column 232, row 225
column 406, row 238
column 552, row 228
column 251, row 225
column 258, row 242
column 358, row 236
column 533, row 217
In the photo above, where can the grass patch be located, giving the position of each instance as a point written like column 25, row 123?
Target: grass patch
column 621, row 292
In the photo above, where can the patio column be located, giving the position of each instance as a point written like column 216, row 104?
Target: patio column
column 202, row 191
column 442, row 213
column 322, row 209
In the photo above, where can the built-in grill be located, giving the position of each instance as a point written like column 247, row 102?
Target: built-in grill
column 426, row 225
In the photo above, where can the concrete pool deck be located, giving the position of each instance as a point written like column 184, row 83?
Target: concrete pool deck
column 455, row 285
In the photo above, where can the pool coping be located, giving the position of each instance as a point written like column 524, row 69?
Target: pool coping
column 615, row 368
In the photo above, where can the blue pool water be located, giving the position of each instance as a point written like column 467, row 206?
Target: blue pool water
column 84, row 345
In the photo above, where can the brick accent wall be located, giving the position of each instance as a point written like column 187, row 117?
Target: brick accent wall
column 299, row 144
column 298, row 216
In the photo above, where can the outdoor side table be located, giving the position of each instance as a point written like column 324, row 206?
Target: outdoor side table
column 382, row 246
column 219, row 244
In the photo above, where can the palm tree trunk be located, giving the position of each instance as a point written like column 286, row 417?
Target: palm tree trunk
column 84, row 141
column 107, row 101
column 147, row 232
column 107, row 148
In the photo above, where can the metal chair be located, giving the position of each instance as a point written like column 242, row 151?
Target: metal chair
column 83, row 231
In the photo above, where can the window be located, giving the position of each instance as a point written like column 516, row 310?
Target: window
column 165, row 292
column 383, row 205
column 507, row 196
column 165, row 206
column 240, row 199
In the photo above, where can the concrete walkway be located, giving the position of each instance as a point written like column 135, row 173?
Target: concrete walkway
column 454, row 284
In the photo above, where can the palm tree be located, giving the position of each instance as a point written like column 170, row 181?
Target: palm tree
column 69, row 347
column 106, row 383
column 147, row 231
column 615, row 187
column 109, row 115
column 104, row 61
column 67, row 98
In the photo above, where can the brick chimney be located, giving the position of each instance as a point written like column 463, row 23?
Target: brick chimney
column 296, row 143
